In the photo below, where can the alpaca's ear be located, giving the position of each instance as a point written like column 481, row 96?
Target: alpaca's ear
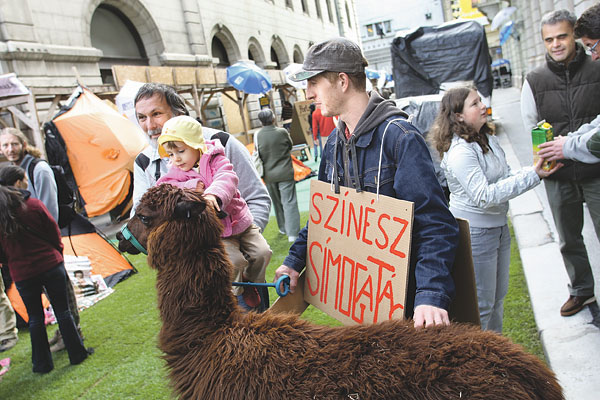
column 186, row 209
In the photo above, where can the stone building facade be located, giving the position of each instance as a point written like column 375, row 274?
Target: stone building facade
column 42, row 40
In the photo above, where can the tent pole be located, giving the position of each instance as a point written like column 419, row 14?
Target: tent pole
column 272, row 102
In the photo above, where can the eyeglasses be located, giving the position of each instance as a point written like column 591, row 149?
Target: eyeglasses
column 592, row 49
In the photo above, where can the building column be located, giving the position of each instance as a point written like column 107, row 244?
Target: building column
column 194, row 28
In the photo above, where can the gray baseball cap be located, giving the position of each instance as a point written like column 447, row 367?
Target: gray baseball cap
column 337, row 55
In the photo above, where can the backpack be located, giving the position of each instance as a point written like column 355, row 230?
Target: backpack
column 66, row 197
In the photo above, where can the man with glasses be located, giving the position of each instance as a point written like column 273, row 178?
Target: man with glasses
column 591, row 49
column 564, row 92
column 584, row 143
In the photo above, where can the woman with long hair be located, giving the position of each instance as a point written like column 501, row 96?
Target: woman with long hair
column 31, row 247
column 481, row 184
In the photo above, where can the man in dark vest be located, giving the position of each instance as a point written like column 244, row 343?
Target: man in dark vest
column 565, row 92
column 583, row 144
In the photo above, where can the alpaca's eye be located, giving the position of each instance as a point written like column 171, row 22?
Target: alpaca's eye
column 145, row 220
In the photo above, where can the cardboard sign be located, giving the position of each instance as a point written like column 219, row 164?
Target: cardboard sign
column 300, row 130
column 357, row 254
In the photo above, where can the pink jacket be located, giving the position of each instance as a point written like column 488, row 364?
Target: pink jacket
column 216, row 172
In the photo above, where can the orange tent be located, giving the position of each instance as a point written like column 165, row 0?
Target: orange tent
column 101, row 147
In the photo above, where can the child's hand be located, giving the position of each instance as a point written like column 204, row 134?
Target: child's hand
column 200, row 187
column 212, row 199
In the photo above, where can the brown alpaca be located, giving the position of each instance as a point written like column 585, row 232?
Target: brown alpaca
column 214, row 351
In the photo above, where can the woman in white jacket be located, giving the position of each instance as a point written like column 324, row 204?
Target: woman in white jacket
column 481, row 183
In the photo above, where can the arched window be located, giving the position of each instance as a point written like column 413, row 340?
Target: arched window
column 255, row 52
column 298, row 57
column 218, row 51
column 113, row 33
column 274, row 58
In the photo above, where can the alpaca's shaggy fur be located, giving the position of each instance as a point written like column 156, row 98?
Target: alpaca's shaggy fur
column 214, row 351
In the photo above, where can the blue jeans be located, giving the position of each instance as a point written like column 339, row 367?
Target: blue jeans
column 491, row 261
column 55, row 283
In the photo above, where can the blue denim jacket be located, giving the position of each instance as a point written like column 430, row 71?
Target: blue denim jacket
column 407, row 173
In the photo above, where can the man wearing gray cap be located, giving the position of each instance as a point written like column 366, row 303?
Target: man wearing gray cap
column 375, row 149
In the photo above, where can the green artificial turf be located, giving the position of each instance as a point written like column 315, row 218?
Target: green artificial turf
column 123, row 329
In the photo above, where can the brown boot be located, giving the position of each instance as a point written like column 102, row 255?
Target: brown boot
column 575, row 304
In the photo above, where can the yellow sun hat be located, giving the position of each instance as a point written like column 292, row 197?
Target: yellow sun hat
column 182, row 129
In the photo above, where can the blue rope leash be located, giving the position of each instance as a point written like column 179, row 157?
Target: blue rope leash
column 284, row 281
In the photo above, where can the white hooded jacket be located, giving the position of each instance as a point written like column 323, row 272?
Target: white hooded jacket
column 481, row 184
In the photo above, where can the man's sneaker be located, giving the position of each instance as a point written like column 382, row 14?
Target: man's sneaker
column 575, row 304
column 292, row 239
column 7, row 344
column 281, row 232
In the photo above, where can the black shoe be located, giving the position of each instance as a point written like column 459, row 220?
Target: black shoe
column 88, row 352
column 43, row 370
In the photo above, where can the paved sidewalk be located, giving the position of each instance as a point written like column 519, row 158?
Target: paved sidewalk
column 571, row 344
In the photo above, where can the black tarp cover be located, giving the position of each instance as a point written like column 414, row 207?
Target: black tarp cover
column 428, row 56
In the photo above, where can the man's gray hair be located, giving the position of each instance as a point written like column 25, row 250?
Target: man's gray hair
column 554, row 17
column 266, row 116
column 173, row 99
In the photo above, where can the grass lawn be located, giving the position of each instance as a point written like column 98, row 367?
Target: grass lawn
column 123, row 330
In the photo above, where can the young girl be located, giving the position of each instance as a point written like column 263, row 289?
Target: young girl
column 31, row 247
column 481, row 183
column 197, row 165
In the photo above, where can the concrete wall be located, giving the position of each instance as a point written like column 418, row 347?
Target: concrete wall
column 41, row 40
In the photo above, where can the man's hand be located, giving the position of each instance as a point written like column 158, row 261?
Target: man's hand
column 430, row 316
column 552, row 151
column 292, row 273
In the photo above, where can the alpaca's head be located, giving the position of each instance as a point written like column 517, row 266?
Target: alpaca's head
column 173, row 218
